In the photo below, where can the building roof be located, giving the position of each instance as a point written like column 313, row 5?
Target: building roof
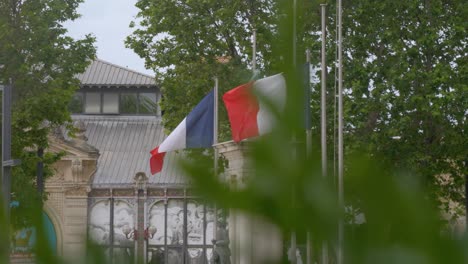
column 124, row 144
column 101, row 73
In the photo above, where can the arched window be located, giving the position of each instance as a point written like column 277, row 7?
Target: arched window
column 25, row 239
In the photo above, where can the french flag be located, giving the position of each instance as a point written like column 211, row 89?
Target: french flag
column 195, row 131
column 247, row 107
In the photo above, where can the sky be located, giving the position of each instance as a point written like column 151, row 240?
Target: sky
column 108, row 21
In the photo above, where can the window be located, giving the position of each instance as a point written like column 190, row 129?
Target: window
column 114, row 103
column 110, row 103
column 147, row 103
column 118, row 247
column 76, row 103
column 185, row 232
column 183, row 228
column 128, row 103
column 93, row 103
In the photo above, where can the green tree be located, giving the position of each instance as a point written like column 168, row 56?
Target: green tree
column 406, row 73
column 41, row 62
column 405, row 70
column 187, row 43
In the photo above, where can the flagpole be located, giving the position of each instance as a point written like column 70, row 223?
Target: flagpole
column 215, row 141
column 254, row 50
column 340, row 136
column 324, row 114
column 293, row 233
column 308, row 145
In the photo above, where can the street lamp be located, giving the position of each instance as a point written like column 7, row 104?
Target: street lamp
column 130, row 233
column 150, row 231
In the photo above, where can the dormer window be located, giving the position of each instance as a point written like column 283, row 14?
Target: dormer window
column 109, row 89
column 131, row 103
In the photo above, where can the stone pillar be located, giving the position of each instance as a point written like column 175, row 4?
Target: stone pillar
column 75, row 214
column 140, row 191
column 253, row 240
column 68, row 190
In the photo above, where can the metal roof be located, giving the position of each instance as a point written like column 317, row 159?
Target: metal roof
column 124, row 144
column 102, row 73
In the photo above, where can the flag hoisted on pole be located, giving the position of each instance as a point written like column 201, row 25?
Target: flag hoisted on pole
column 195, row 131
column 247, row 106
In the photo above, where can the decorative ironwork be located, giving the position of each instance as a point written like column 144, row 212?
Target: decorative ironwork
column 140, row 180
column 191, row 193
column 172, row 225
column 185, row 231
column 123, row 192
column 99, row 193
column 156, row 192
column 175, row 192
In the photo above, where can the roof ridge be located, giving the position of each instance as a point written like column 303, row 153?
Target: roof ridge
column 124, row 68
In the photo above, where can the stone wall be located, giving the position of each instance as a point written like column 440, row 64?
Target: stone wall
column 67, row 203
column 253, row 239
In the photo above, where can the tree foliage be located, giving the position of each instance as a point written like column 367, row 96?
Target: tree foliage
column 41, row 62
column 405, row 70
column 406, row 75
column 188, row 43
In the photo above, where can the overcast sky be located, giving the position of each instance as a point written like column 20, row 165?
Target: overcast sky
column 108, row 21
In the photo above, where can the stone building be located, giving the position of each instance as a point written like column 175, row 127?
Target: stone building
column 103, row 190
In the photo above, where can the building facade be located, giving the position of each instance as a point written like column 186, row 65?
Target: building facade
column 103, row 191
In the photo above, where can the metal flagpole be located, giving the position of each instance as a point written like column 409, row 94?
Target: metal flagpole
column 215, row 141
column 340, row 136
column 293, row 233
column 324, row 113
column 254, row 50
column 308, row 145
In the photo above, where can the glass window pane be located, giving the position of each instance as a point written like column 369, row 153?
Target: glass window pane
column 123, row 255
column 156, row 256
column 175, row 222
column 209, row 255
column 93, row 103
column 209, row 227
column 194, row 256
column 123, row 218
column 128, row 103
column 156, row 219
column 148, row 103
column 195, row 228
column 107, row 254
column 175, row 256
column 76, row 103
column 110, row 103
column 99, row 223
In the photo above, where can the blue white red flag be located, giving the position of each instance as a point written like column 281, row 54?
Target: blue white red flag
column 195, row 131
column 248, row 115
